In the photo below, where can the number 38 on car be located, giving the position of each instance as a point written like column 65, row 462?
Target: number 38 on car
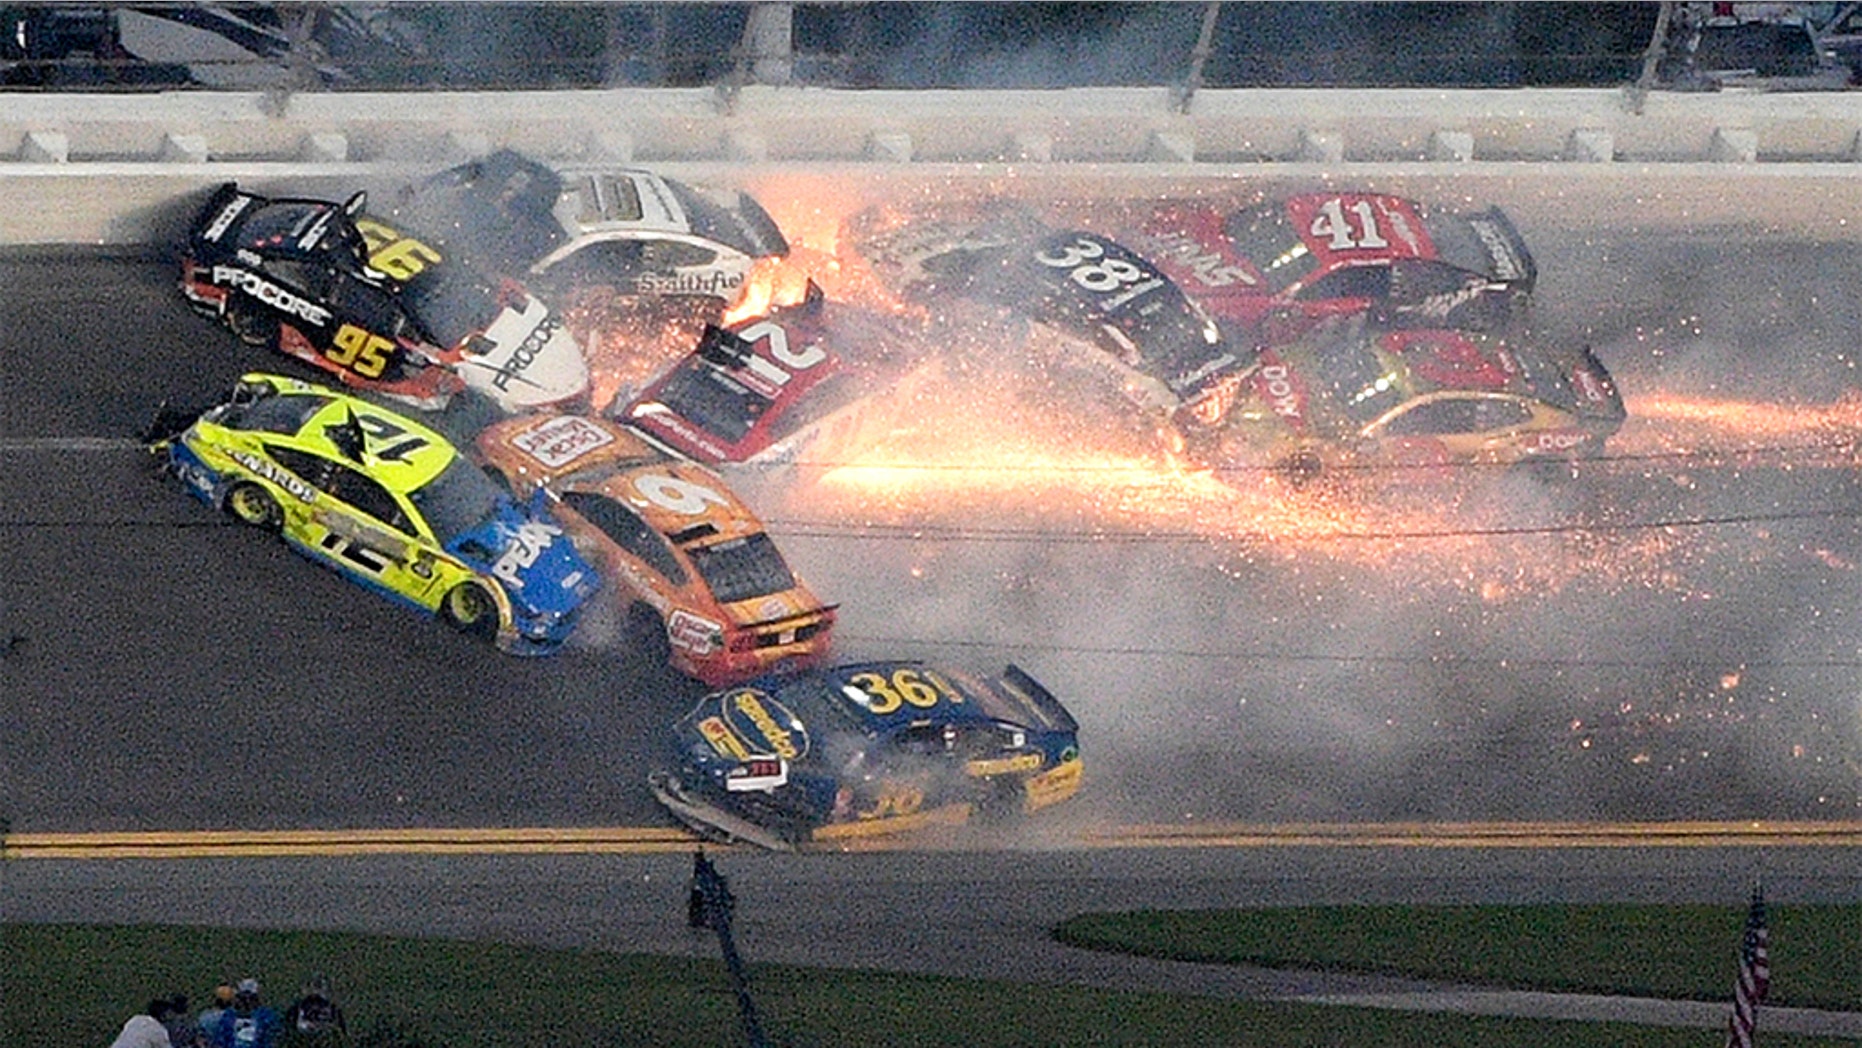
column 386, row 501
column 865, row 748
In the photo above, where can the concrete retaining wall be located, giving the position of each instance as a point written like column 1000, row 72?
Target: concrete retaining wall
column 108, row 169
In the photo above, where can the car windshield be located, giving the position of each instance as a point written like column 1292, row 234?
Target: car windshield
column 742, row 569
column 1265, row 236
column 271, row 414
column 457, row 500
column 712, row 400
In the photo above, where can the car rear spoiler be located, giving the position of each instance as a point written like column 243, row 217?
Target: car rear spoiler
column 1516, row 245
column 1042, row 700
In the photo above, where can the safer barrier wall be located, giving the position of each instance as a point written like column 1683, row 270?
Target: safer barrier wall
column 110, row 168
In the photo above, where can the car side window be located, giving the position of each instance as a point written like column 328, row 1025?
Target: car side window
column 673, row 254
column 368, row 496
column 302, row 276
column 1457, row 415
column 1414, row 281
column 628, row 532
column 314, row 469
column 1371, row 282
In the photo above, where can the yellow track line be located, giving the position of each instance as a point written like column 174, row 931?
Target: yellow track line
column 648, row 840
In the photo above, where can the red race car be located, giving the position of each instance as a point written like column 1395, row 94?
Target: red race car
column 1274, row 267
column 797, row 385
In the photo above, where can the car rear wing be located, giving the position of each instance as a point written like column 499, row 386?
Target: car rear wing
column 1040, row 701
column 1508, row 243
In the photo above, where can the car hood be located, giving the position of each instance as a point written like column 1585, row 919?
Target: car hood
column 531, row 556
column 525, row 358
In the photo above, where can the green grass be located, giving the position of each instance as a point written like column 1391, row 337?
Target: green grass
column 69, row 985
column 1680, row 952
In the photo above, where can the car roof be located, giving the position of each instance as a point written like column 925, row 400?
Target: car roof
column 397, row 451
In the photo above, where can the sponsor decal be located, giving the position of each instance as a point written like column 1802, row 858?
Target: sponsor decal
column 1203, row 265
column 526, row 352
column 695, row 634
column 1276, row 383
column 1557, row 440
column 782, row 740
column 1023, row 762
column 224, row 220
column 527, row 544
column 561, row 440
column 758, row 774
column 1505, row 266
column 277, row 475
column 715, row 282
column 271, row 294
column 721, row 738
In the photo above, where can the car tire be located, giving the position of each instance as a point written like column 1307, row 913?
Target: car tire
column 1301, row 468
column 252, row 505
column 470, row 609
column 646, row 633
column 252, row 323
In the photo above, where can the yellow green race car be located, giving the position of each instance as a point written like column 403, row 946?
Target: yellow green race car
column 386, row 501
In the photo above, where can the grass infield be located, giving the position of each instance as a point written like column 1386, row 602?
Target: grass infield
column 72, row 985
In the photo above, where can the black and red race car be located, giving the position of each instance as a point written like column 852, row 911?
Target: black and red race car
column 377, row 307
column 1095, row 305
column 1270, row 268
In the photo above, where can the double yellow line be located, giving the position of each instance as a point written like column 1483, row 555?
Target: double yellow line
column 649, row 840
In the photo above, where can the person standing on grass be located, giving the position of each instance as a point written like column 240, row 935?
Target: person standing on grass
column 248, row 1023
column 145, row 1029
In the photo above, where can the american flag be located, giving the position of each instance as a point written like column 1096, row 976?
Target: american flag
column 1754, row 975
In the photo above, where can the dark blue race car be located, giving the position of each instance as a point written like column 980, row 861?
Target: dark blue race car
column 866, row 748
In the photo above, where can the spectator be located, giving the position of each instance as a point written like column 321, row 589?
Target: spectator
column 184, row 1031
column 248, row 1023
column 145, row 1029
column 209, row 1018
column 315, row 1013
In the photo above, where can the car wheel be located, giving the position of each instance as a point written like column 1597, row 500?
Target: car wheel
column 1002, row 802
column 251, row 504
column 646, row 632
column 469, row 609
column 1300, row 469
column 251, row 323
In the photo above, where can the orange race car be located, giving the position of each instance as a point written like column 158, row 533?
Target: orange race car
column 702, row 583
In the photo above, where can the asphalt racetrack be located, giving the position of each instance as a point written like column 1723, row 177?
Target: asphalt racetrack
column 1673, row 634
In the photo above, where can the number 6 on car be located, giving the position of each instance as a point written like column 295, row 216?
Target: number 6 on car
column 699, row 581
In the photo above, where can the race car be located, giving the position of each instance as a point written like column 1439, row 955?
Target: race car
column 799, row 384
column 1352, row 392
column 639, row 232
column 1106, row 310
column 1282, row 263
column 704, row 586
column 867, row 748
column 379, row 309
column 388, row 502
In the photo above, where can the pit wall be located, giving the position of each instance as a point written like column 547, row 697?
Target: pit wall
column 108, row 169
